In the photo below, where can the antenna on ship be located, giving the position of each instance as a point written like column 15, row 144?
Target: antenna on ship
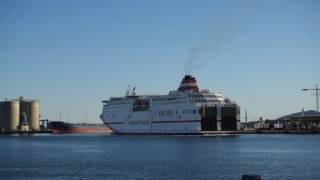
column 133, row 93
column 128, row 90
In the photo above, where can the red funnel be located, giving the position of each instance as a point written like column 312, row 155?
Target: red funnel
column 188, row 84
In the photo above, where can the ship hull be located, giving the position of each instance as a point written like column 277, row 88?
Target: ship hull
column 202, row 133
column 81, row 130
column 63, row 127
column 156, row 127
column 172, row 132
column 205, row 120
column 156, row 133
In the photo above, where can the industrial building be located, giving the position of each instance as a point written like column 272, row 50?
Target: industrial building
column 301, row 120
column 19, row 115
column 304, row 120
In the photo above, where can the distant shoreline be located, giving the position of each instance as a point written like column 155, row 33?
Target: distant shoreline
column 280, row 131
column 204, row 134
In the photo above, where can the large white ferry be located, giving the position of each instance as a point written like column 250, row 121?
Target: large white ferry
column 187, row 110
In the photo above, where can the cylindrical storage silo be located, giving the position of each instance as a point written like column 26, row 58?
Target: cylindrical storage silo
column 25, row 108
column 11, row 118
column 33, row 121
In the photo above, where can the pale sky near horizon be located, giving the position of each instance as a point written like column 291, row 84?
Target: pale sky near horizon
column 72, row 54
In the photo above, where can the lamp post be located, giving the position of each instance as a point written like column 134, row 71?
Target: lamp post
column 317, row 95
column 246, row 115
column 246, row 118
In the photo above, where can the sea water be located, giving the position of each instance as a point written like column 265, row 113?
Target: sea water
column 50, row 156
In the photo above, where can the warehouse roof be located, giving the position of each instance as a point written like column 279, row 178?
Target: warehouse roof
column 310, row 113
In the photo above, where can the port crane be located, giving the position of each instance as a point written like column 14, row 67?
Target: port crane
column 317, row 95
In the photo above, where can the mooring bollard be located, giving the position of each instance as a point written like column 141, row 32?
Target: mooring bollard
column 251, row 177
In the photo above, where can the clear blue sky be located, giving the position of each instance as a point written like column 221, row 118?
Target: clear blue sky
column 72, row 54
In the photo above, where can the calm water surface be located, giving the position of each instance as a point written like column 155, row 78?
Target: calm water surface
column 159, row 157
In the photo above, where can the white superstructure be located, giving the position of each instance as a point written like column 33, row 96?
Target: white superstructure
column 185, row 111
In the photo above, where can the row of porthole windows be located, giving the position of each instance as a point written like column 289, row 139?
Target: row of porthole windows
column 200, row 96
column 171, row 112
